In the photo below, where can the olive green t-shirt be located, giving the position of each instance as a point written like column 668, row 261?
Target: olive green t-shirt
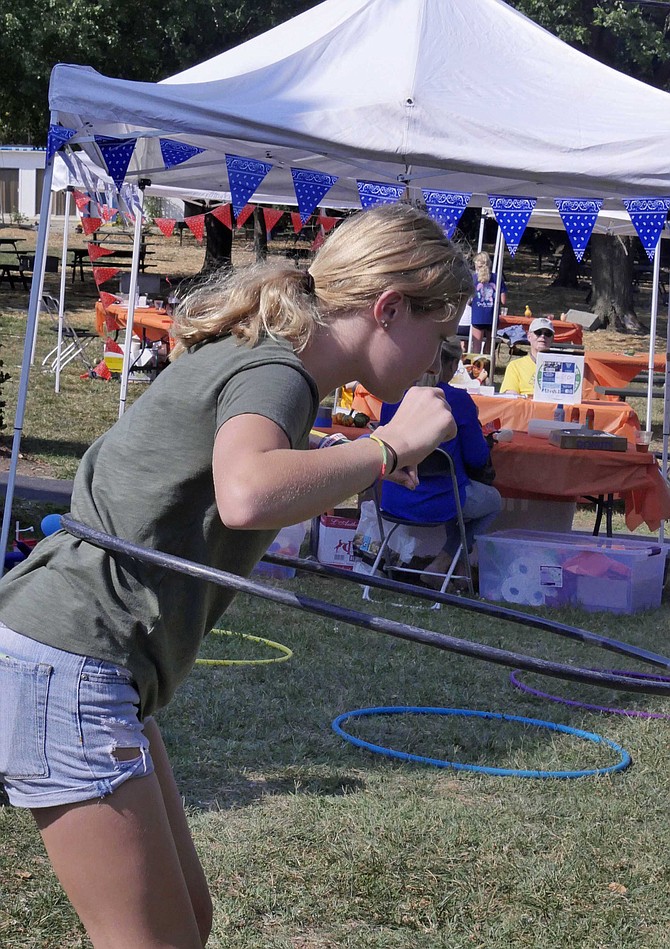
column 149, row 480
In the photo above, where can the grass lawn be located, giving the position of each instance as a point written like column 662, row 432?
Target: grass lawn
column 311, row 843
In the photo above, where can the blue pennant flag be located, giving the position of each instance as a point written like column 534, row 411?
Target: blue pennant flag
column 379, row 192
column 57, row 137
column 446, row 207
column 648, row 215
column 579, row 218
column 244, row 176
column 512, row 214
column 176, row 153
column 310, row 187
column 116, row 153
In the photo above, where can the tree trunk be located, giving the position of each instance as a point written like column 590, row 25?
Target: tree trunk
column 219, row 249
column 218, row 238
column 567, row 275
column 260, row 235
column 612, row 282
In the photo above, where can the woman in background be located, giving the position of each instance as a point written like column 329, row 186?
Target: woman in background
column 483, row 302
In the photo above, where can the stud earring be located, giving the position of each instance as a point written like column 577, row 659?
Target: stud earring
column 384, row 325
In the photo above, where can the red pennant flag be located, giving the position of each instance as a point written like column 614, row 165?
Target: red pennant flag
column 296, row 220
column 271, row 216
column 223, row 213
column 196, row 224
column 108, row 214
column 95, row 251
column 107, row 299
column 318, row 241
column 246, row 211
column 328, row 223
column 103, row 274
column 166, row 225
column 102, row 371
column 80, row 199
column 91, row 224
column 111, row 346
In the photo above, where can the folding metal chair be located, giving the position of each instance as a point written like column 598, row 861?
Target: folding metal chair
column 76, row 339
column 438, row 462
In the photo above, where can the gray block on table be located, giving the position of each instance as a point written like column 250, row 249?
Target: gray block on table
column 588, row 320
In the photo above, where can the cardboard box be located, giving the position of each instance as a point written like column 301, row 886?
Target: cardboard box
column 536, row 568
column 333, row 540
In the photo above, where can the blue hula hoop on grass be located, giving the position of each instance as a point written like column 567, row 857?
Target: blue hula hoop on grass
column 623, row 762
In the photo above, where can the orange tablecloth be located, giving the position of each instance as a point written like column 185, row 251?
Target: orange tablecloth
column 615, row 417
column 615, row 370
column 530, row 467
column 148, row 323
column 563, row 332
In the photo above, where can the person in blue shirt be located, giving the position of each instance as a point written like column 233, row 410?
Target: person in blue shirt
column 433, row 497
column 483, row 301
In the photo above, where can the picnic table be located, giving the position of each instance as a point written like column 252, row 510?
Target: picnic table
column 11, row 265
column 119, row 257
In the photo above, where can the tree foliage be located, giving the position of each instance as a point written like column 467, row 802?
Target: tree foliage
column 631, row 37
column 121, row 38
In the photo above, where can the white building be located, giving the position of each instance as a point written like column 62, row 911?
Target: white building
column 21, row 177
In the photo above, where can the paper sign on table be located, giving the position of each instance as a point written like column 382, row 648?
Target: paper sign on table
column 559, row 378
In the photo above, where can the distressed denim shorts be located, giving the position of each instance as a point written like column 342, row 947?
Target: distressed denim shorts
column 65, row 721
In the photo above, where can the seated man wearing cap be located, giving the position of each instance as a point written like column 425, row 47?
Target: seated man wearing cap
column 520, row 374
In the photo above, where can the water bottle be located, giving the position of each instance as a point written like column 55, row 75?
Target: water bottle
column 559, row 413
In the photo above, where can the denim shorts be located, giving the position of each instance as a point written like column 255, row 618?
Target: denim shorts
column 63, row 719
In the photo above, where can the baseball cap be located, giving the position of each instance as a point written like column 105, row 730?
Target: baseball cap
column 542, row 323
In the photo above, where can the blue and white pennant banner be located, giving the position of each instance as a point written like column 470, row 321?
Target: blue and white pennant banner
column 310, row 187
column 244, row 177
column 579, row 218
column 512, row 214
column 648, row 215
column 57, row 137
column 176, row 153
column 372, row 193
column 116, row 153
column 446, row 207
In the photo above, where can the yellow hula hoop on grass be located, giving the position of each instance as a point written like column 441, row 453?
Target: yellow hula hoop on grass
column 286, row 652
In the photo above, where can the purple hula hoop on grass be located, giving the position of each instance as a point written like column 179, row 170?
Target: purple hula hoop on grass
column 629, row 712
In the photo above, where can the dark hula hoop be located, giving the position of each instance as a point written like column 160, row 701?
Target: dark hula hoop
column 391, row 627
column 589, row 707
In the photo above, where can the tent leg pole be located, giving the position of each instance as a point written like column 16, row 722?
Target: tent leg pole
column 652, row 329
column 132, row 293
column 33, row 310
column 63, row 280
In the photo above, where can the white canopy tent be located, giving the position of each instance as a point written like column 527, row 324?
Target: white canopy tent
column 462, row 95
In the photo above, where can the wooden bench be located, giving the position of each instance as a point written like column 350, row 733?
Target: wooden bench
column 11, row 271
column 634, row 392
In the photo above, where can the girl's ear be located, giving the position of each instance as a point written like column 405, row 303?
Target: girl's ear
column 388, row 306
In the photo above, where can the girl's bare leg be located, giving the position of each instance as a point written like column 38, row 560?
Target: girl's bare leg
column 477, row 337
column 128, row 864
